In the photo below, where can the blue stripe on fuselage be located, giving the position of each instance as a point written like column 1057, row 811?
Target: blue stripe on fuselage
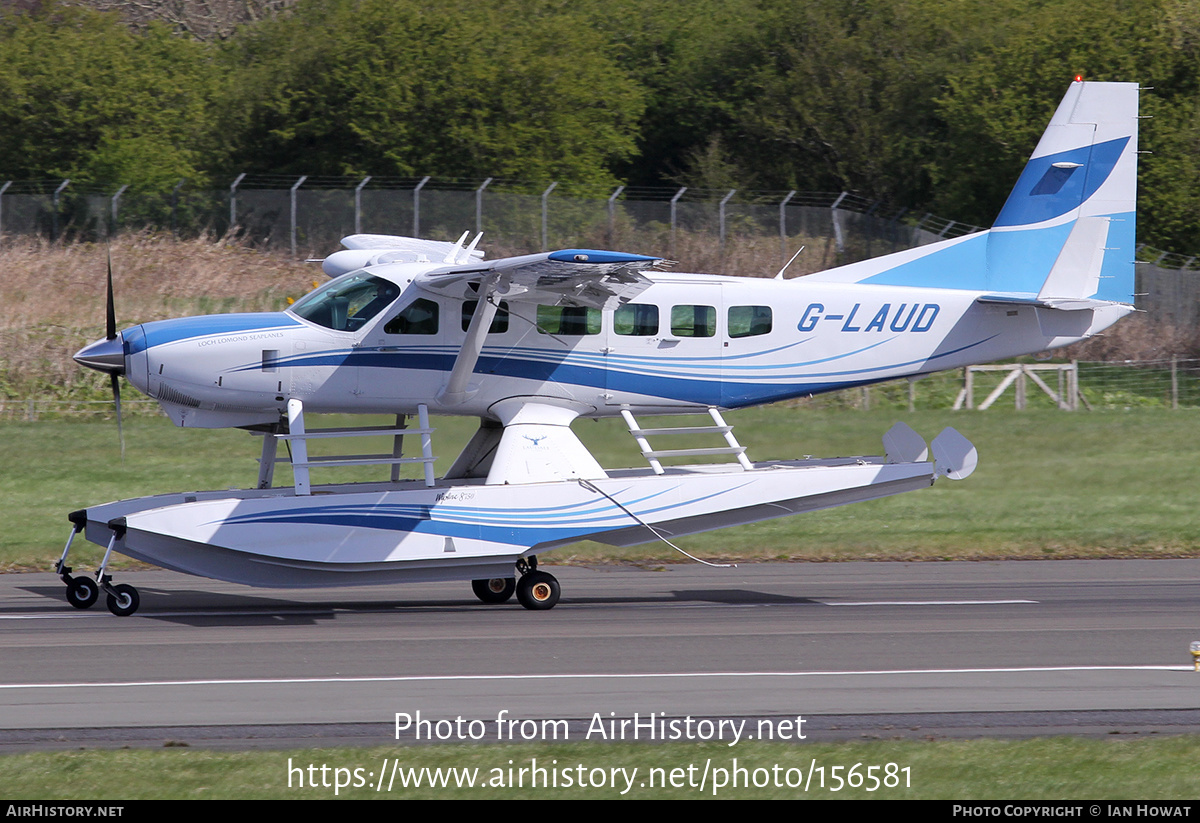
column 700, row 390
column 161, row 332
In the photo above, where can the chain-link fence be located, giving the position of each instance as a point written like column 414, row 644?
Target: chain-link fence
column 310, row 214
column 729, row 232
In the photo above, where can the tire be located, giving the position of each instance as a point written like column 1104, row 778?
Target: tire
column 538, row 591
column 495, row 590
column 124, row 602
column 82, row 592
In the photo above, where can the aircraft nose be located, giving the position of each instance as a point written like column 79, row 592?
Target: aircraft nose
column 105, row 355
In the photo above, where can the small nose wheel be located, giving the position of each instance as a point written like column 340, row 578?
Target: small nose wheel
column 537, row 591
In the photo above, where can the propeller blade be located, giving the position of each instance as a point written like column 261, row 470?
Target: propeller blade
column 110, row 323
column 110, row 333
column 116, row 390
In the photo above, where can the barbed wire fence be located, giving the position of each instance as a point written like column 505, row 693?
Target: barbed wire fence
column 733, row 232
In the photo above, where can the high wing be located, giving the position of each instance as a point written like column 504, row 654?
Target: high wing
column 573, row 277
column 570, row 277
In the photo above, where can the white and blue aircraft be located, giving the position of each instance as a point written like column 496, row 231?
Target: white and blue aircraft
column 528, row 344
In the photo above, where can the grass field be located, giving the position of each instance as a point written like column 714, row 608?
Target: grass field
column 1046, row 769
column 1050, row 484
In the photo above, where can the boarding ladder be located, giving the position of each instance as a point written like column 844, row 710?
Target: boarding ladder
column 297, row 436
column 719, row 427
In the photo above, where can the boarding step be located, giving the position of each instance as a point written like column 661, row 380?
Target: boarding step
column 297, row 437
column 719, row 427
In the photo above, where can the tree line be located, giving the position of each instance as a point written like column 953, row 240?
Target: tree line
column 929, row 104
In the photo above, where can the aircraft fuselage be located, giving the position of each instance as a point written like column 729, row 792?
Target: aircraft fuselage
column 686, row 341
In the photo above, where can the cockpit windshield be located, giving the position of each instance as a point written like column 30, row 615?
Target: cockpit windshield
column 347, row 303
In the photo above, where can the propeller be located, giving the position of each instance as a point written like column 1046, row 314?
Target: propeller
column 110, row 333
column 108, row 355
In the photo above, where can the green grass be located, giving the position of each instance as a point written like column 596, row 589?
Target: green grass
column 1040, row 769
column 1049, row 484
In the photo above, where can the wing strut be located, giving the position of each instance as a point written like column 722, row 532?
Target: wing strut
column 456, row 390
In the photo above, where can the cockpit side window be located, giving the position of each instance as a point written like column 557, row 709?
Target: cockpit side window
column 347, row 303
column 418, row 317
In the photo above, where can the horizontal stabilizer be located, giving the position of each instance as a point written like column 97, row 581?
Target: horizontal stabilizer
column 1060, row 303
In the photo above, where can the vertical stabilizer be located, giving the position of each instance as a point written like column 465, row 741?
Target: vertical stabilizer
column 1067, row 229
column 1066, row 232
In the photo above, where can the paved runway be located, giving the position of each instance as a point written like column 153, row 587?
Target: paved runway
column 938, row 648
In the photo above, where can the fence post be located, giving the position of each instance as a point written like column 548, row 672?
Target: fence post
column 175, row 206
column 675, row 200
column 721, row 218
column 3, row 189
column 358, row 204
column 54, row 217
column 545, row 197
column 839, row 241
column 299, row 183
column 479, row 205
column 417, row 206
column 783, row 226
column 612, row 215
column 1174, row 382
column 116, row 198
column 233, row 200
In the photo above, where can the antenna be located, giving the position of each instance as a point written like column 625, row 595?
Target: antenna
column 793, row 260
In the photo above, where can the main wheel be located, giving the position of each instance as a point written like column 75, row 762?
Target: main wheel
column 125, row 602
column 82, row 592
column 537, row 591
column 495, row 590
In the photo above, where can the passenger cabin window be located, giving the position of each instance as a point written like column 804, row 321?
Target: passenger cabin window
column 693, row 321
column 347, row 303
column 568, row 320
column 418, row 317
column 499, row 321
column 636, row 320
column 749, row 321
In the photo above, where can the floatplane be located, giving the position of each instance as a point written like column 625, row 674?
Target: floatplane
column 414, row 328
